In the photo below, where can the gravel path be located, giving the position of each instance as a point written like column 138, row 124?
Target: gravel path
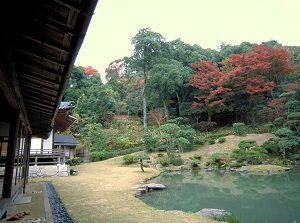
column 59, row 212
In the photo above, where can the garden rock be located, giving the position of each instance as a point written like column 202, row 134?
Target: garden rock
column 154, row 186
column 214, row 213
column 158, row 166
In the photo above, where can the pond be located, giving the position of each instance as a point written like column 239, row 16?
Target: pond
column 251, row 198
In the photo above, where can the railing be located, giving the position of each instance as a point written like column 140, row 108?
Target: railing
column 48, row 156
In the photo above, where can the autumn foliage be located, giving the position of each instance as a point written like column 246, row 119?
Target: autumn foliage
column 245, row 80
column 89, row 70
column 210, row 81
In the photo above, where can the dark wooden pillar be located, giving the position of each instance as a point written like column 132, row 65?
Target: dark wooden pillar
column 10, row 158
column 27, row 160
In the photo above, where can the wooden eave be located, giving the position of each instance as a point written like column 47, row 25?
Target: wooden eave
column 38, row 46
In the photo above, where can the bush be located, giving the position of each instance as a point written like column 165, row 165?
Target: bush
column 211, row 141
column 272, row 146
column 247, row 144
column 219, row 159
column 177, row 161
column 149, row 141
column 125, row 143
column 255, row 155
column 197, row 156
column 284, row 132
column 128, row 158
column 221, row 139
column 98, row 156
column 239, row 129
column 74, row 161
column 195, row 162
column 130, row 150
column 146, row 165
column 200, row 140
column 236, row 165
column 164, row 161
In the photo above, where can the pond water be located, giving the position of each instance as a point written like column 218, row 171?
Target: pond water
column 251, row 198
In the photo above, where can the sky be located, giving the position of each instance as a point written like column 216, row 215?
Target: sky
column 207, row 23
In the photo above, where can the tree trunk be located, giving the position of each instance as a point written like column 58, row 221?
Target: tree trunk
column 144, row 99
column 209, row 116
column 179, row 103
column 144, row 107
column 166, row 109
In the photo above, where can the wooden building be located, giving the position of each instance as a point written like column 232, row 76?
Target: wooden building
column 49, row 151
column 39, row 42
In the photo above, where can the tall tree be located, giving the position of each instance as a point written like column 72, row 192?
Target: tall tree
column 147, row 48
column 278, row 58
column 76, row 85
column 249, row 81
column 167, row 80
column 211, row 96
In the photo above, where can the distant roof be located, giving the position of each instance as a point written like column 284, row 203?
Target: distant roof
column 66, row 104
column 65, row 140
column 64, row 119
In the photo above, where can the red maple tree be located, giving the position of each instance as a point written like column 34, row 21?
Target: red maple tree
column 212, row 94
column 248, row 73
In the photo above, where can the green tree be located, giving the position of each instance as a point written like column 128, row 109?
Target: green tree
column 147, row 49
column 167, row 80
column 287, row 141
column 98, row 103
column 76, row 85
column 172, row 136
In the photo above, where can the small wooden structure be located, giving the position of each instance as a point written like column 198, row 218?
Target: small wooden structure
column 66, row 144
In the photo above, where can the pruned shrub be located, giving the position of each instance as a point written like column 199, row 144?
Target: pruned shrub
column 197, row 156
column 74, row 161
column 271, row 146
column 219, row 159
column 149, row 141
column 143, row 156
column 211, row 141
column 146, row 165
column 160, row 154
column 177, row 161
column 98, row 156
column 247, row 144
column 239, row 129
column 128, row 159
column 195, row 163
column 221, row 139
column 164, row 161
column 200, row 140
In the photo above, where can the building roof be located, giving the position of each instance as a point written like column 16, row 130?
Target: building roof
column 37, row 53
column 63, row 118
column 65, row 140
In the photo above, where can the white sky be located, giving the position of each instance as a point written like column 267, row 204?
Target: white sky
column 204, row 22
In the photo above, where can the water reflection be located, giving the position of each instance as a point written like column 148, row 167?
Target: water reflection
column 252, row 198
